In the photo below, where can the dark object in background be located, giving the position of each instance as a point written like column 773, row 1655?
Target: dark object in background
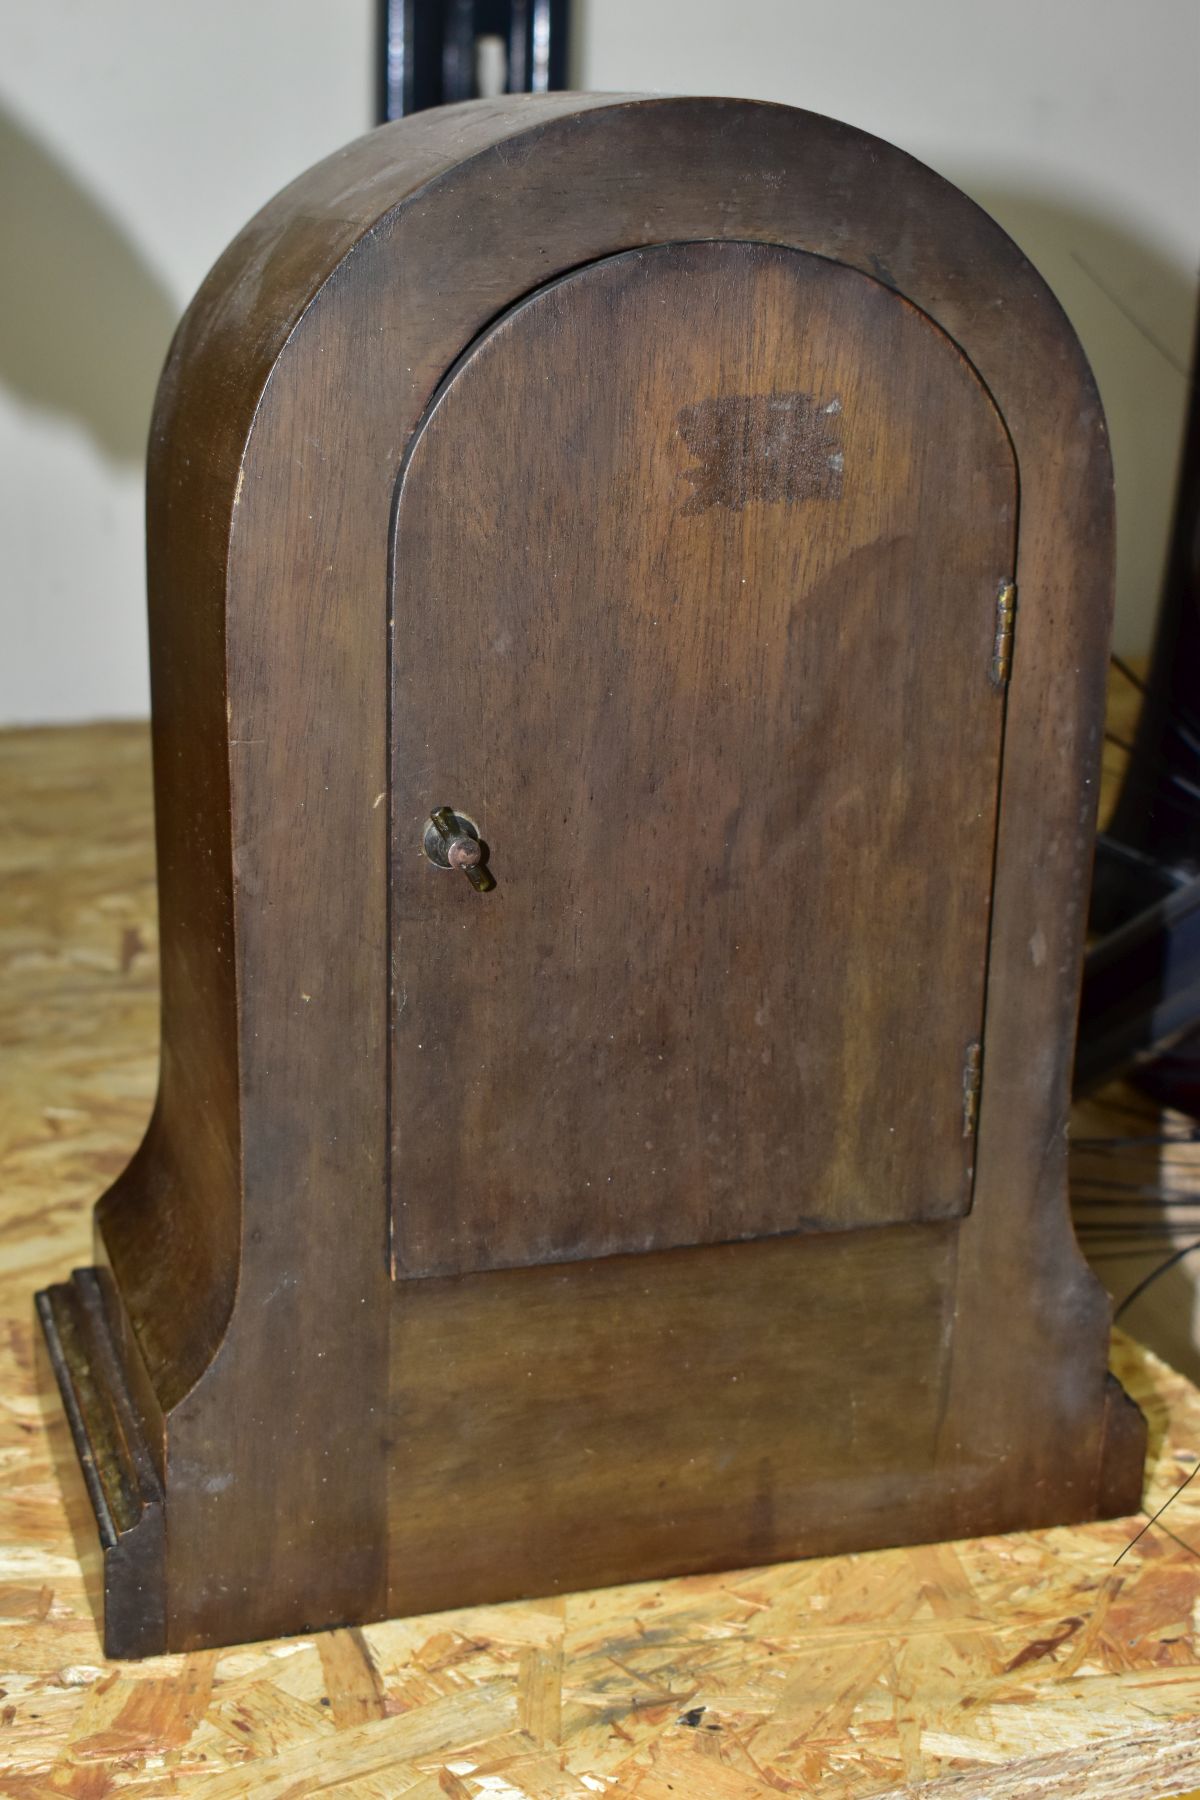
column 1141, row 988
column 630, row 484
column 1151, row 845
column 429, row 49
column 1141, row 994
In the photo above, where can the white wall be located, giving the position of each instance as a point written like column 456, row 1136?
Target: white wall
column 137, row 135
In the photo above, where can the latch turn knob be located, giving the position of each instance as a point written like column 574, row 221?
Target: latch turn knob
column 452, row 842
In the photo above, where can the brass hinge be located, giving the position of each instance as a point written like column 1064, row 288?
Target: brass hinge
column 1002, row 649
column 972, row 1073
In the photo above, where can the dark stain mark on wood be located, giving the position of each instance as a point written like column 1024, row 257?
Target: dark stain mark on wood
column 767, row 447
column 1043, row 1646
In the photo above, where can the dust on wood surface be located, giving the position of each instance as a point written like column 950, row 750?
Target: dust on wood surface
column 1055, row 1663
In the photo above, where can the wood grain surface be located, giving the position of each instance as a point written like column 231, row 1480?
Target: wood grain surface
column 267, row 1365
column 689, row 544
column 1035, row 1664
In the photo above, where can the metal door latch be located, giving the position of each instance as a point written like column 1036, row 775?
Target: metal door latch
column 452, row 842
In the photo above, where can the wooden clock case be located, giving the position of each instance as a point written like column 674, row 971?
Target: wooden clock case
column 649, row 484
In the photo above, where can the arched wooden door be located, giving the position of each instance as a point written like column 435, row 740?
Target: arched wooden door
column 698, row 559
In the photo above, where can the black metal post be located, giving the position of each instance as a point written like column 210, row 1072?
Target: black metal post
column 428, row 56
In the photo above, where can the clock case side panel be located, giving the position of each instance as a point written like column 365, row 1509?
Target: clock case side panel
column 301, row 372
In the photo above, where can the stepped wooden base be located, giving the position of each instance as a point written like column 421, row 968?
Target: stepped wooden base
column 118, row 1469
column 783, row 1429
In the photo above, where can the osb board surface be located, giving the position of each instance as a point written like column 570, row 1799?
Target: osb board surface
column 1037, row 1664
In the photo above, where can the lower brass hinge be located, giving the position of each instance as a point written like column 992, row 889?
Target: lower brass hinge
column 972, row 1073
column 1002, row 649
